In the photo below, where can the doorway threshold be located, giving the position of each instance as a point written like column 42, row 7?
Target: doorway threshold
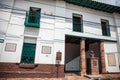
column 72, row 73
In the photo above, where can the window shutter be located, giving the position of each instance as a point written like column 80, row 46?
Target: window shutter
column 28, row 53
column 77, row 23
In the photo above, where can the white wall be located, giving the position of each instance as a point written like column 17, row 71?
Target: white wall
column 117, row 22
column 118, row 2
column 5, row 16
column 89, row 29
column 1, row 48
column 16, row 30
column 109, row 48
column 11, row 33
column 42, row 58
column 13, row 57
column 52, row 29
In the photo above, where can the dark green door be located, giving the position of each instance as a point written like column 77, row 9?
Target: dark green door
column 28, row 53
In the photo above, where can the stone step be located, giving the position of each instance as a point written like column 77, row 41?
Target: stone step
column 75, row 78
column 24, row 74
column 94, row 77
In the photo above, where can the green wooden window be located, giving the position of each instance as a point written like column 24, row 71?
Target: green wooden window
column 77, row 23
column 28, row 53
column 33, row 17
column 105, row 27
column 1, row 40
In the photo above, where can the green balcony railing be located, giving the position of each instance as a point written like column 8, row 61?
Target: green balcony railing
column 32, row 19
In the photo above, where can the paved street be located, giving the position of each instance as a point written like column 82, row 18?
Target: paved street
column 70, row 77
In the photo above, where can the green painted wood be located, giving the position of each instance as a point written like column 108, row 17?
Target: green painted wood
column 90, row 38
column 28, row 53
column 1, row 40
column 97, row 5
column 105, row 28
column 77, row 24
column 33, row 18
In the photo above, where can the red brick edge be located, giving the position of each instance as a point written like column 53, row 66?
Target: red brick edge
column 37, row 70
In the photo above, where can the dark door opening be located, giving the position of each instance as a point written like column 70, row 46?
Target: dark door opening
column 92, row 46
column 72, row 54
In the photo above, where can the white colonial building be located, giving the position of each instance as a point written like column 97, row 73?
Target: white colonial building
column 37, row 35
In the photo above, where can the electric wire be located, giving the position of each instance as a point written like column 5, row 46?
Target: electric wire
column 67, row 18
column 15, row 9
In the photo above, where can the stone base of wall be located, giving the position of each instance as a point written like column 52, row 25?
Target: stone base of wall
column 34, row 70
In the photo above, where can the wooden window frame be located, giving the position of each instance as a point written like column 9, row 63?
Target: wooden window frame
column 33, row 17
column 107, row 32
column 81, row 22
